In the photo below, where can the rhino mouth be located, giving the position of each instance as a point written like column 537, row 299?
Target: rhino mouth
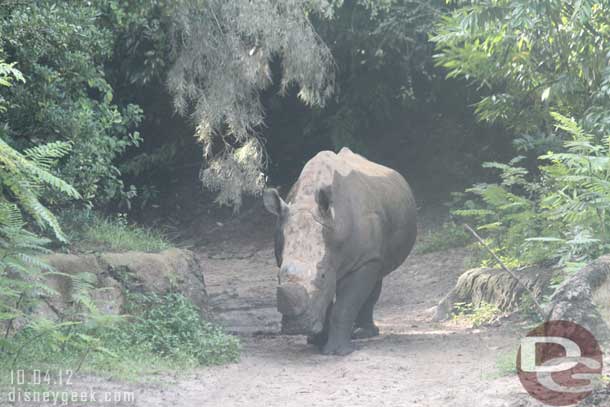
column 296, row 306
column 302, row 325
column 302, row 313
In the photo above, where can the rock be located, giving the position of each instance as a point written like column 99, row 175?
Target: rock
column 112, row 274
column 583, row 299
column 107, row 293
column 109, row 297
column 173, row 270
column 493, row 286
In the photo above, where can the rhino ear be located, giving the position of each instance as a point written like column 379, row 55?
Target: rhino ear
column 324, row 199
column 273, row 202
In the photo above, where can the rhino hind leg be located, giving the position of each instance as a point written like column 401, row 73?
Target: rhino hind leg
column 352, row 292
column 365, row 325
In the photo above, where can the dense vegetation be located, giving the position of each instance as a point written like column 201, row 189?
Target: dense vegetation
column 542, row 71
column 109, row 108
column 61, row 134
column 161, row 332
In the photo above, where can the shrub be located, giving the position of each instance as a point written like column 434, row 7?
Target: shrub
column 170, row 326
column 551, row 205
column 559, row 216
column 529, row 59
column 61, row 47
column 483, row 314
column 25, row 178
column 162, row 332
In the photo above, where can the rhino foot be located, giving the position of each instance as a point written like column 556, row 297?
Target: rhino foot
column 318, row 340
column 363, row 332
column 339, row 350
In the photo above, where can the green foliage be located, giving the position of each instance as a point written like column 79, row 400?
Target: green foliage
column 141, row 54
column 531, row 58
column 120, row 235
column 536, row 64
column 391, row 103
column 91, row 231
column 448, row 236
column 505, row 214
column 477, row 316
column 25, row 178
column 170, row 326
column 162, row 332
column 8, row 74
column 77, row 332
column 61, row 47
column 559, row 216
column 223, row 55
column 381, row 49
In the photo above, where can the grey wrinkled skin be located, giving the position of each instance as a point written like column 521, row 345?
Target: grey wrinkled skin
column 347, row 222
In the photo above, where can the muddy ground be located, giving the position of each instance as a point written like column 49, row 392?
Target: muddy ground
column 414, row 362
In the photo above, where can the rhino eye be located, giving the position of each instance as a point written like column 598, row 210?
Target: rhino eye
column 323, row 199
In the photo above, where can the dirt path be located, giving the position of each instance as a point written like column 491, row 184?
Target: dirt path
column 413, row 363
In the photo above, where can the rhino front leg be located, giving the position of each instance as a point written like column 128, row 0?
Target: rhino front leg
column 365, row 325
column 352, row 292
column 320, row 339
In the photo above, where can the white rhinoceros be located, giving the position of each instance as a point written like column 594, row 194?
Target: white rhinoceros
column 347, row 223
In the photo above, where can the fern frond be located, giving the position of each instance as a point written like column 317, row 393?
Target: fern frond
column 571, row 127
column 46, row 155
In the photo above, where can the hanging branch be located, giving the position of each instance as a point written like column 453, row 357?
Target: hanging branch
column 539, row 309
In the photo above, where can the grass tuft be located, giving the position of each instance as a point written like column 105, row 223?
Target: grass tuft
column 484, row 314
column 119, row 235
column 88, row 230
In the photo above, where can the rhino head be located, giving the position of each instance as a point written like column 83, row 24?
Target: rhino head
column 308, row 237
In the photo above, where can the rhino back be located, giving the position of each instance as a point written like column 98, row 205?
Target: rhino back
column 386, row 204
column 382, row 207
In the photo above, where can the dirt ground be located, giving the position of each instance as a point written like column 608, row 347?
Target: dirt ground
column 414, row 362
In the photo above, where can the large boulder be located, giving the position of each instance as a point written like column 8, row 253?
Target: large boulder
column 68, row 268
column 113, row 274
column 585, row 299
column 174, row 270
